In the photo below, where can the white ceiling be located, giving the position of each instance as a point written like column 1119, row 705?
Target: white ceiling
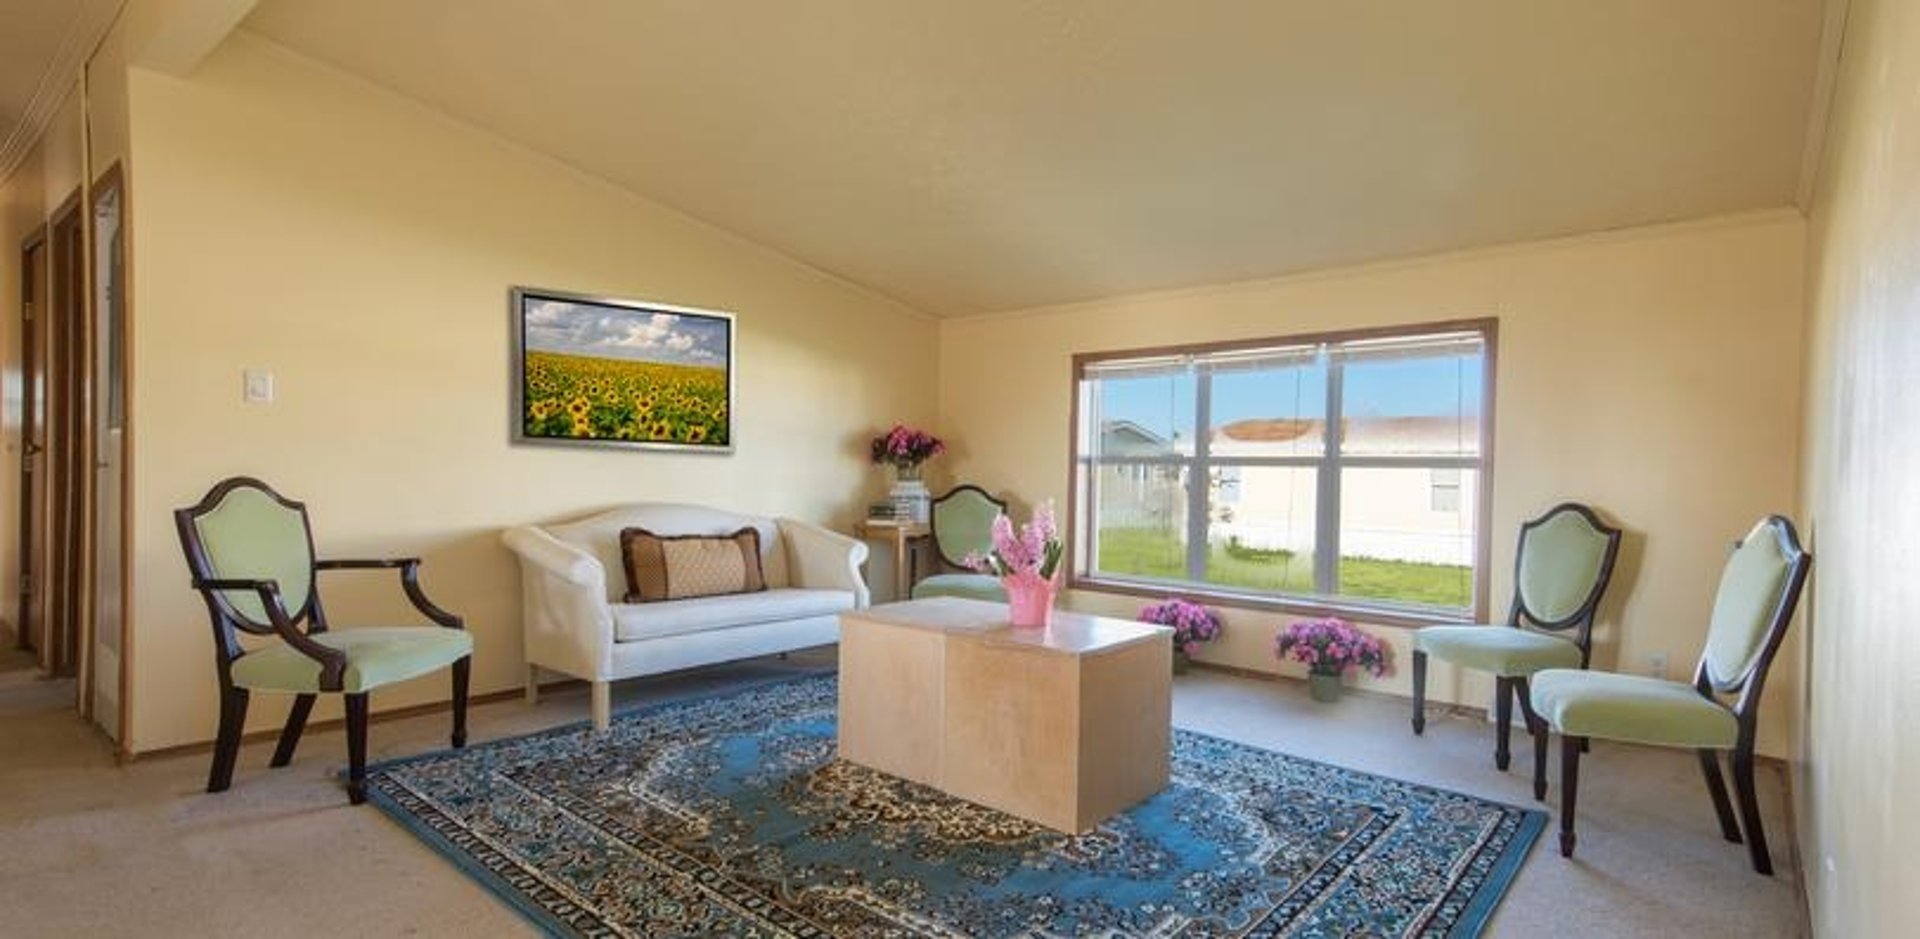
column 969, row 156
column 42, row 46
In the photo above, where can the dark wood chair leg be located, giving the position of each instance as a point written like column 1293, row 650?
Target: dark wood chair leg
column 1569, row 789
column 1419, row 692
column 226, row 748
column 357, row 748
column 1537, row 729
column 1750, row 811
column 1502, row 722
column 1717, row 788
column 290, row 734
column 461, row 669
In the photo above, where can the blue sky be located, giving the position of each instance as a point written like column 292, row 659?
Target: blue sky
column 616, row 333
column 1429, row 386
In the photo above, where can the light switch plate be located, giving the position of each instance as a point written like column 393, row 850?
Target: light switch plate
column 258, row 386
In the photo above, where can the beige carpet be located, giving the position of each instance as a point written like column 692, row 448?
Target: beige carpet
column 90, row 848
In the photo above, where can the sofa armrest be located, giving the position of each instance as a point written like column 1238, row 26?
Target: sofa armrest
column 822, row 559
column 556, row 557
column 568, row 625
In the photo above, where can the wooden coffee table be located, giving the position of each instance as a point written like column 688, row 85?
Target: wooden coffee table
column 1064, row 726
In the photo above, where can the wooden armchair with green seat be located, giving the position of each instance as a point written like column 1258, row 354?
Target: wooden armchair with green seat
column 1759, row 589
column 962, row 524
column 251, row 555
column 1564, row 562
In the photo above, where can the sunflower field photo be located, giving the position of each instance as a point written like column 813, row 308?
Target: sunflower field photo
column 622, row 372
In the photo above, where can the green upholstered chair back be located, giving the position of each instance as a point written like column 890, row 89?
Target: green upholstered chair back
column 963, row 522
column 243, row 530
column 1759, row 588
column 1565, row 560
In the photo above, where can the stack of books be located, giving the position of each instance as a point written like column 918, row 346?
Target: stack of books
column 887, row 513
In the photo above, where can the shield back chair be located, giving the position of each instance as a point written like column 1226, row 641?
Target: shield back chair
column 962, row 524
column 1759, row 589
column 1561, row 570
column 250, row 551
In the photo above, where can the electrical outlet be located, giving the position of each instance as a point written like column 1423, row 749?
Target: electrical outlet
column 1657, row 665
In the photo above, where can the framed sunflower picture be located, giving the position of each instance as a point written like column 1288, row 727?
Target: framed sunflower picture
column 624, row 373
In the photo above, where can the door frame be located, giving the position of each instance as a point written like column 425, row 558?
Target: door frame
column 113, row 179
column 31, row 318
column 68, row 467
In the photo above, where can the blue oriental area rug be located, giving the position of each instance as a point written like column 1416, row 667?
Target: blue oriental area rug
column 731, row 816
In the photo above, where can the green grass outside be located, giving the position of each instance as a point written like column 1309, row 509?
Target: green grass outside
column 1149, row 552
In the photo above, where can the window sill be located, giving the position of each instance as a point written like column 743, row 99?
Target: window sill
column 1370, row 614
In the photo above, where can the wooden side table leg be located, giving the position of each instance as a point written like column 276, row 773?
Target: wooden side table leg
column 902, row 579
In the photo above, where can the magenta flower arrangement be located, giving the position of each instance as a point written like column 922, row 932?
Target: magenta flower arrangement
column 1192, row 623
column 1027, row 561
column 905, row 447
column 1331, row 646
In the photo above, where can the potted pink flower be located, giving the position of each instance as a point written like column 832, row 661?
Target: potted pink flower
column 1192, row 624
column 1027, row 562
column 1328, row 648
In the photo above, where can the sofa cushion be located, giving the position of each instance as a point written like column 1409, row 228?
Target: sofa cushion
column 676, row 567
column 637, row 621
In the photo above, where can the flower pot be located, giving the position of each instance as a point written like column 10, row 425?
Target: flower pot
column 1180, row 662
column 1029, row 600
column 909, row 495
column 1324, row 686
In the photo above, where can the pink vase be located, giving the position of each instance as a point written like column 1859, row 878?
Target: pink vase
column 1029, row 600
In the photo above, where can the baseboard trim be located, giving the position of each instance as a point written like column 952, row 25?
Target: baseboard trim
column 379, row 717
column 1441, row 707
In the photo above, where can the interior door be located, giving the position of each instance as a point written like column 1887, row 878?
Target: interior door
column 65, row 476
column 31, row 620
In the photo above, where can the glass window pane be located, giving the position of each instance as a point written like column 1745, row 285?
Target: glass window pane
column 1140, row 521
column 1398, row 543
column 1147, row 415
column 1417, row 401
column 1261, row 533
column 1272, row 408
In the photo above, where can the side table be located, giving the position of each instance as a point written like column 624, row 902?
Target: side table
column 901, row 539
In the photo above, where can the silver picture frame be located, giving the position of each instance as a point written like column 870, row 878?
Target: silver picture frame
column 597, row 371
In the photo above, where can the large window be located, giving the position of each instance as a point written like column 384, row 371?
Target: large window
column 1313, row 471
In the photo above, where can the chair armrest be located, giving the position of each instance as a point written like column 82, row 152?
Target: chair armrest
column 556, row 557
column 409, row 581
column 333, row 662
column 819, row 558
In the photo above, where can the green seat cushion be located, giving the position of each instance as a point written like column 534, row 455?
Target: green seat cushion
column 1631, row 708
column 972, row 586
column 1502, row 650
column 375, row 656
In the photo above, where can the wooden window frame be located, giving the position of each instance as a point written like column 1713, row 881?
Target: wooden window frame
column 1375, row 612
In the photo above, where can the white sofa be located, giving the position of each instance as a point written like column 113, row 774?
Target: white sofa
column 578, row 623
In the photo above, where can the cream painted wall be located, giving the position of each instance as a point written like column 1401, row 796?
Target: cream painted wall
column 1653, row 373
column 292, row 218
column 39, row 187
column 1862, row 489
column 23, row 211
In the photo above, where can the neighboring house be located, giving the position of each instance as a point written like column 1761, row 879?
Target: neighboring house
column 1417, row 513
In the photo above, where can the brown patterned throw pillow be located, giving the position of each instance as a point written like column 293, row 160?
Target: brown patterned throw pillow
column 677, row 567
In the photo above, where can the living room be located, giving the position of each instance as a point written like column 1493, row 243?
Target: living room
column 1687, row 225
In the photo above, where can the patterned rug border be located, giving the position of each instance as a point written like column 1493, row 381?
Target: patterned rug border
column 1473, row 920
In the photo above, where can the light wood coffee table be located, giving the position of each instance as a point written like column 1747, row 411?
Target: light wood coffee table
column 1064, row 726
